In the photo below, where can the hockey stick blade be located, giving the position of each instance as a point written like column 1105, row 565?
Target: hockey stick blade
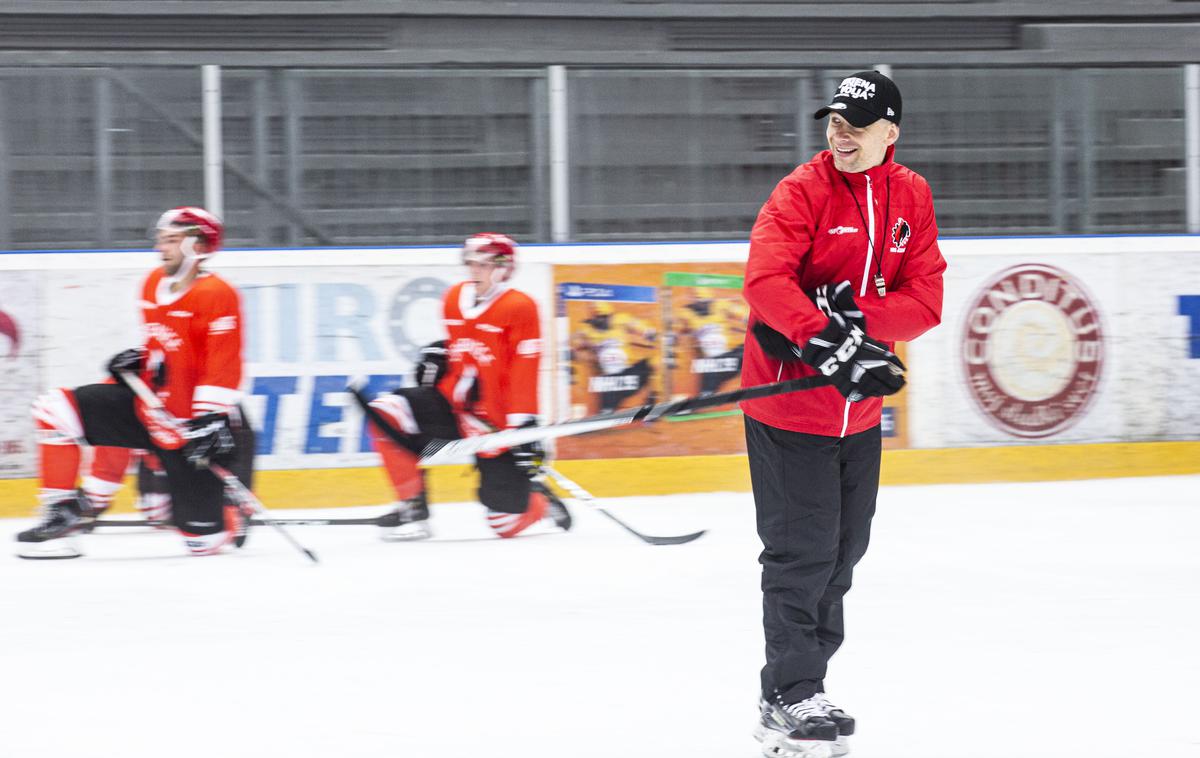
column 579, row 493
column 448, row 451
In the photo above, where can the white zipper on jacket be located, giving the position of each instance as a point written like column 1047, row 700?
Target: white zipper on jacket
column 870, row 237
column 862, row 291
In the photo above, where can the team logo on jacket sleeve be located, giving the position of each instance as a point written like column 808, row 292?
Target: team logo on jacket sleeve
column 901, row 232
column 1033, row 350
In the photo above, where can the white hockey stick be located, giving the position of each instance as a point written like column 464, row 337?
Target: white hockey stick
column 236, row 489
column 582, row 495
column 463, row 450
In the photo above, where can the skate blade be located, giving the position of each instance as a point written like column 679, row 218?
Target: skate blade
column 775, row 745
column 418, row 530
column 841, row 746
column 50, row 550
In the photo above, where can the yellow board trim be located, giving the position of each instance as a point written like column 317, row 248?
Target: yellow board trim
column 617, row 477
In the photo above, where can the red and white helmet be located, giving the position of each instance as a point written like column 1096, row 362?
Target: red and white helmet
column 195, row 222
column 489, row 247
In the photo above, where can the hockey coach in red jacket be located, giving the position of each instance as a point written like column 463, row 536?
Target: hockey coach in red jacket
column 844, row 260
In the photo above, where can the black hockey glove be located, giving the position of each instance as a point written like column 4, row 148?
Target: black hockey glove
column 829, row 299
column 857, row 365
column 531, row 455
column 132, row 360
column 432, row 362
column 209, row 440
column 838, row 298
column 775, row 344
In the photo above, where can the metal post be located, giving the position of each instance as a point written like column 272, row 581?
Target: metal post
column 560, row 167
column 260, row 112
column 5, row 177
column 1086, row 152
column 104, row 163
column 539, row 222
column 292, row 103
column 803, row 119
column 214, row 188
column 1056, row 150
column 1191, row 125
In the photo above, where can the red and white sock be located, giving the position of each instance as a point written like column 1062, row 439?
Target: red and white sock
column 508, row 525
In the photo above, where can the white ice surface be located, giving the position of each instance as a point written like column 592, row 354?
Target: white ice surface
column 1049, row 619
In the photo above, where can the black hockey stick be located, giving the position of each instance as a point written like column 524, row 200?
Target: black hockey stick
column 386, row 520
column 579, row 493
column 233, row 486
column 454, row 451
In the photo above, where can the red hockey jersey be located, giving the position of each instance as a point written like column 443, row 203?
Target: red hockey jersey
column 495, row 347
column 196, row 335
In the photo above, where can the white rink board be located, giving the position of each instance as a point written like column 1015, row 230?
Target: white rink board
column 314, row 316
column 1138, row 289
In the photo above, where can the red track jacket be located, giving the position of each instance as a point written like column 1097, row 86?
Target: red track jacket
column 811, row 232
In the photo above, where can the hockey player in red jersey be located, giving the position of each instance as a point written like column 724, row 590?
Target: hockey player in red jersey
column 192, row 357
column 485, row 378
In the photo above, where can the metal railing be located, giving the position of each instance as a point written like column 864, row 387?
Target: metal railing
column 90, row 156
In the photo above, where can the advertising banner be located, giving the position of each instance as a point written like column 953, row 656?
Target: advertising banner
column 704, row 319
column 629, row 334
column 20, row 342
column 1030, row 351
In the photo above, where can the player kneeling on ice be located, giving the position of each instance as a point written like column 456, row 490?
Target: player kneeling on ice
column 192, row 358
column 484, row 377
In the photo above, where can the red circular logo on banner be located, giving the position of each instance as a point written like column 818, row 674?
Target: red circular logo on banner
column 9, row 329
column 1033, row 350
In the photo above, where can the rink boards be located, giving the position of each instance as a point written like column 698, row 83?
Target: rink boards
column 1056, row 358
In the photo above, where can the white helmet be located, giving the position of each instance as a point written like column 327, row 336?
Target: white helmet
column 197, row 224
column 489, row 247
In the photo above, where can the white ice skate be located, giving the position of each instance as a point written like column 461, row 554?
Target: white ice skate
column 795, row 730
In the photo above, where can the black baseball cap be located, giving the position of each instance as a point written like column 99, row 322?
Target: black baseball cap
column 864, row 98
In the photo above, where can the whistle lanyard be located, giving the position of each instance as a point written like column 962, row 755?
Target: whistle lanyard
column 880, row 284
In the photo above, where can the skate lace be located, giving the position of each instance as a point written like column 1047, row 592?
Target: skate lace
column 825, row 703
column 813, row 707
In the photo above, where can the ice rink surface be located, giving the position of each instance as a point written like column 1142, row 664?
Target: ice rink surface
column 1052, row 619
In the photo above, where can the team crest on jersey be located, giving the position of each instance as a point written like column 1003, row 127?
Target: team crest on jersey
column 477, row 350
column 901, row 233
column 164, row 336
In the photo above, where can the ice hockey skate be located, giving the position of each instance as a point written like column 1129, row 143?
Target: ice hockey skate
column 408, row 522
column 844, row 721
column 795, row 730
column 50, row 539
column 237, row 522
column 556, row 511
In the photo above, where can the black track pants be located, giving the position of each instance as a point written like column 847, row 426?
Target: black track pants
column 814, row 498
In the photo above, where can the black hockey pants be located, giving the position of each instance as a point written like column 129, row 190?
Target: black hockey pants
column 503, row 486
column 814, row 497
column 197, row 497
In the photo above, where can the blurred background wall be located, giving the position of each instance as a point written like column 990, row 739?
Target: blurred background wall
column 393, row 123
